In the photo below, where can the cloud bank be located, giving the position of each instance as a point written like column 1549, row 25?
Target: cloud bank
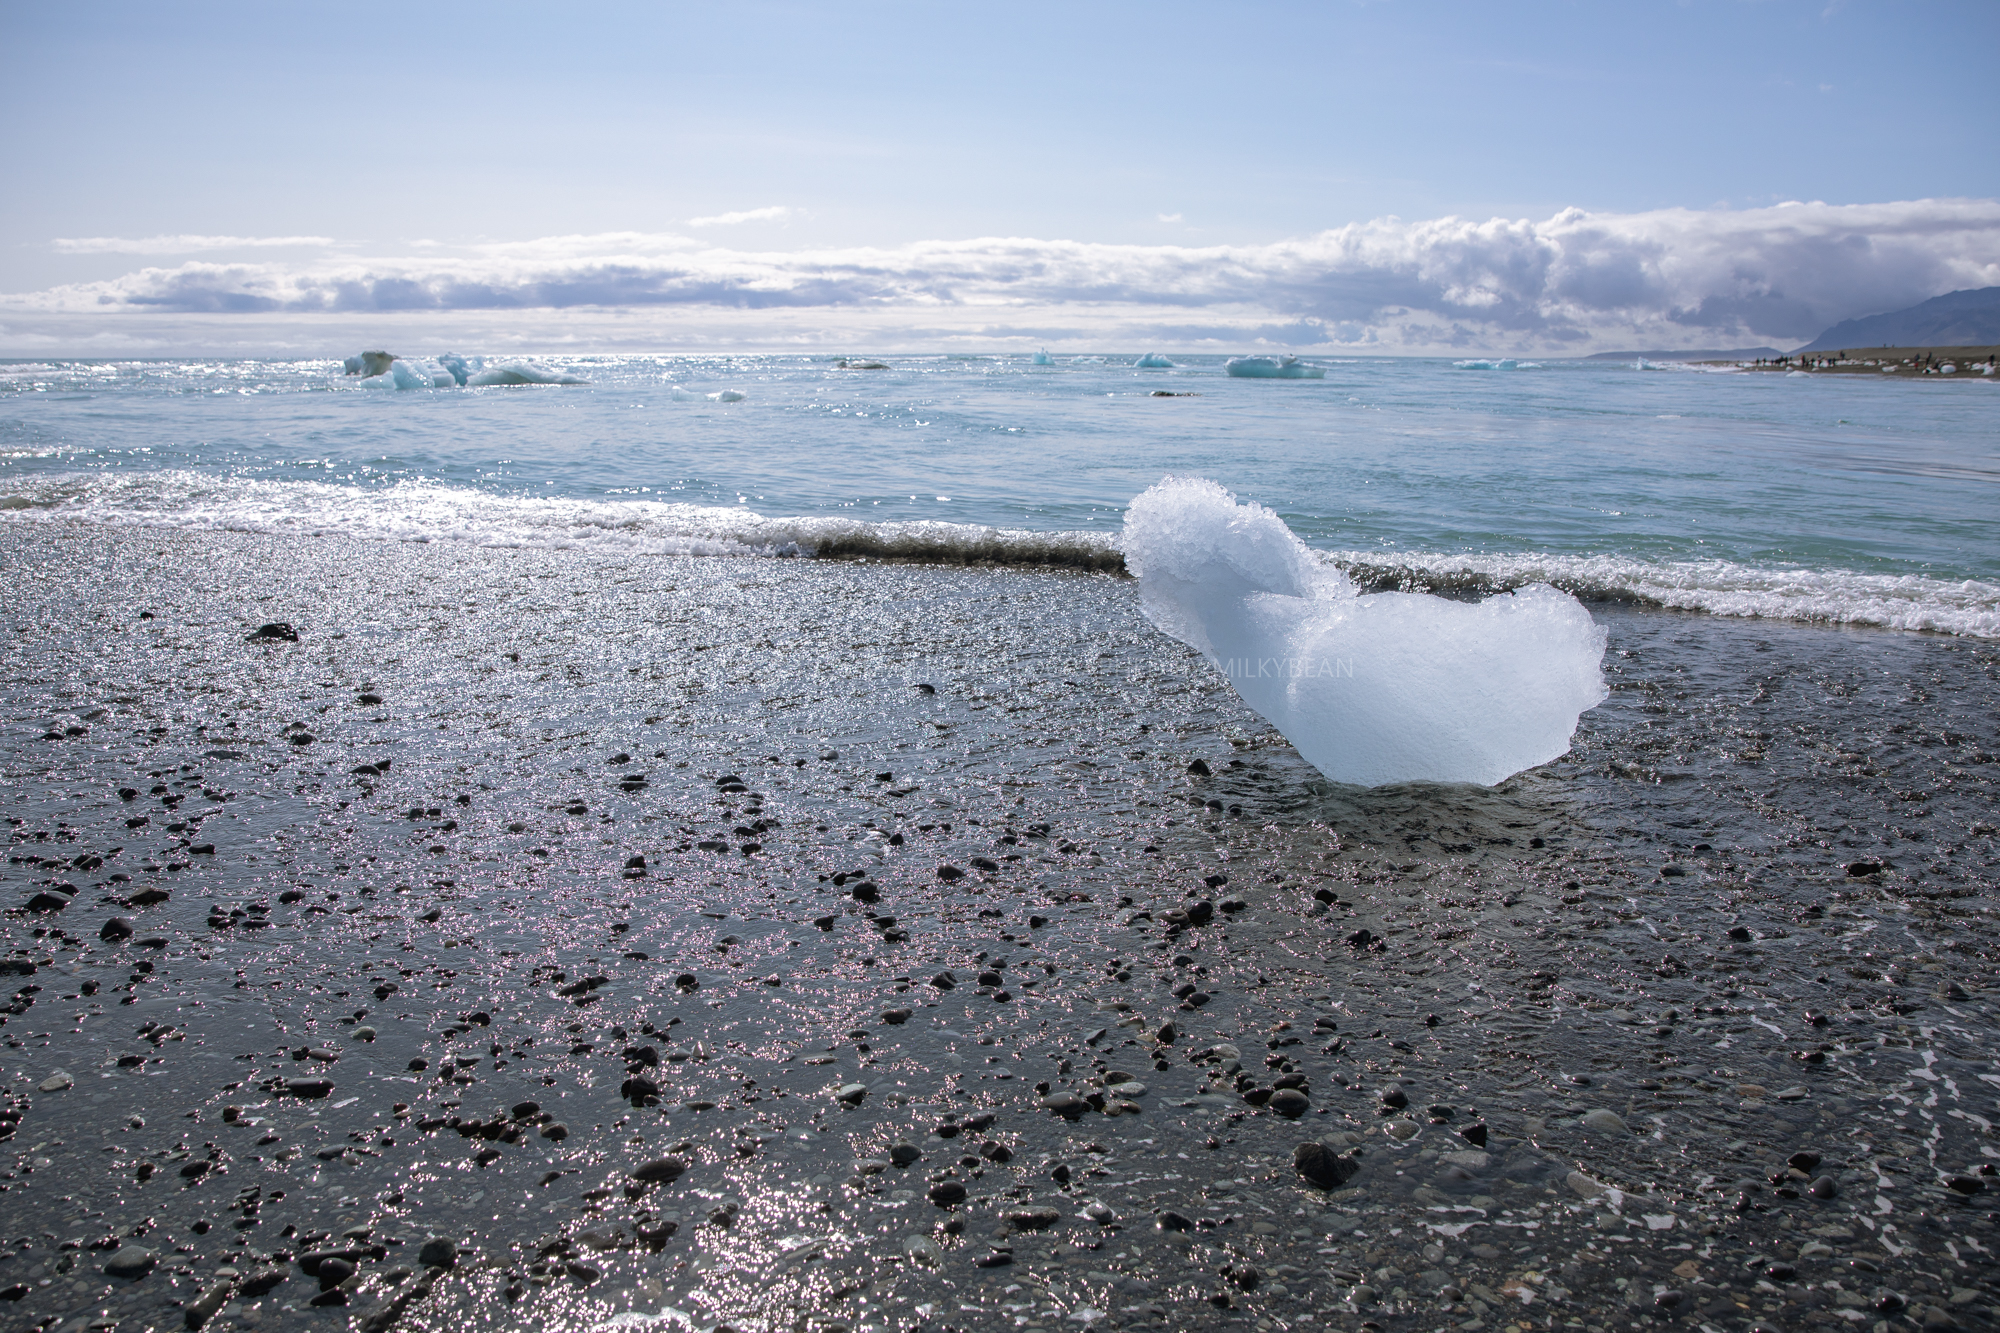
column 175, row 245
column 1576, row 282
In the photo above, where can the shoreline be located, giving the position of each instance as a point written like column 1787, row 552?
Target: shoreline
column 1911, row 362
column 1552, row 952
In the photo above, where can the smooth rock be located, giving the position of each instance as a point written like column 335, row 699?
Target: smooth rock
column 131, row 1261
column 660, row 1171
column 57, row 1082
column 438, row 1252
column 1604, row 1122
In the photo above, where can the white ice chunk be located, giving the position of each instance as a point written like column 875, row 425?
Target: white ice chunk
column 1153, row 361
column 1272, row 368
column 728, row 396
column 1389, row 687
column 1042, row 358
column 519, row 373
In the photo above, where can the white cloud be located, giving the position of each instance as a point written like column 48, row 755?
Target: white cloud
column 175, row 245
column 1574, row 282
column 1169, row 217
column 775, row 213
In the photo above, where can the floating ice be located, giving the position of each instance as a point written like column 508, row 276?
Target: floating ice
column 1153, row 361
column 1501, row 363
column 728, row 396
column 1042, row 358
column 681, row 395
column 1391, row 687
column 367, row 364
column 1272, row 368
column 520, row 373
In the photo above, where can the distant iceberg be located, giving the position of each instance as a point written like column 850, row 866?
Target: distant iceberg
column 1272, row 368
column 1500, row 363
column 1042, row 358
column 728, row 396
column 1153, row 361
column 385, row 370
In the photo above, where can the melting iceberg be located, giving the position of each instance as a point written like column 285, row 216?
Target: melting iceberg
column 1153, row 361
column 728, row 396
column 1390, row 687
column 1272, row 368
column 1496, row 363
column 521, row 373
column 1042, row 358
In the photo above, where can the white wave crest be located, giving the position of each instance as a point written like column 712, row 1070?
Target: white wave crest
column 424, row 511
column 1720, row 587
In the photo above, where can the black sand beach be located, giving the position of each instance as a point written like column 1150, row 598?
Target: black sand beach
column 544, row 939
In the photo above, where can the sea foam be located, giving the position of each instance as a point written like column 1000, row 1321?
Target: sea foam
column 1371, row 689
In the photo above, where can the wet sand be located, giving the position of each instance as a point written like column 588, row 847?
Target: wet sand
column 465, row 988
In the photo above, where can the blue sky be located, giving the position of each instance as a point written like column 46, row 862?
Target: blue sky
column 737, row 136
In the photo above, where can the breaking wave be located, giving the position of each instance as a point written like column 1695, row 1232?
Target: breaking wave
column 418, row 512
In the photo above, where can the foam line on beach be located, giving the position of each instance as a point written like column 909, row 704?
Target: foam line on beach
column 422, row 512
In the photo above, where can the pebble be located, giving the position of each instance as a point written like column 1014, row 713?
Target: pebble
column 1401, row 1129
column 1604, row 1122
column 438, row 1252
column 116, row 928
column 57, row 1082
column 947, row 1192
column 1318, row 1163
column 1065, row 1104
column 132, row 1261
column 902, row 1154
column 851, row 1093
column 1289, row 1102
column 661, row 1171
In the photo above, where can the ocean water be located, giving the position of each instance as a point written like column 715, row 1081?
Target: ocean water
column 1838, row 500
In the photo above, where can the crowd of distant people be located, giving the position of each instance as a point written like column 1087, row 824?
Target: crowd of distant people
column 1925, row 363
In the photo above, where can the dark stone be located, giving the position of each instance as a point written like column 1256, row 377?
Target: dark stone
column 312, row 1088
column 117, row 928
column 1289, row 1102
column 1033, row 1219
column 1322, row 1166
column 438, row 1253
column 1394, row 1099
column 1474, row 1135
column 895, row 1017
column 1199, row 768
column 950, row 873
column 333, row 1272
column 1173, row 1221
column 312, row 1261
column 946, row 1193
column 47, row 902
column 1065, row 1104
column 662, row 1171
column 275, row 632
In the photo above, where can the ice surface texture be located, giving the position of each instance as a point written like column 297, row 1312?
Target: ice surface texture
column 1391, row 687
column 1153, row 361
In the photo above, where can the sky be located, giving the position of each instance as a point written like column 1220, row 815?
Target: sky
column 1382, row 176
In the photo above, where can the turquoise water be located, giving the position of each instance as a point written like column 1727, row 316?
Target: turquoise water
column 1840, row 499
